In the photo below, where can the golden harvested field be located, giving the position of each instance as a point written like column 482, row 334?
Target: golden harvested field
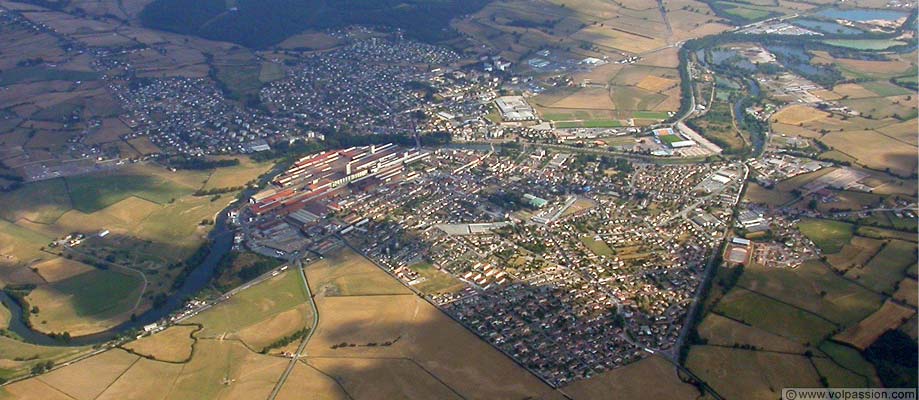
column 238, row 175
column 306, row 380
column 146, row 379
column 619, row 39
column 383, row 378
column 87, row 379
column 587, row 98
column 896, row 66
column 727, row 332
column 266, row 331
column 875, row 150
column 796, row 114
column 60, row 268
column 32, row 389
column 259, row 304
column 415, row 331
column 656, row 83
column 853, row 91
column 171, row 345
column 904, row 131
column 907, row 292
column 347, row 273
column 226, row 370
column 746, row 374
column 890, row 316
column 650, row 378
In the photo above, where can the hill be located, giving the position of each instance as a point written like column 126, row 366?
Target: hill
column 260, row 23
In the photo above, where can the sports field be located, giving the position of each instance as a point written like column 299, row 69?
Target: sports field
column 828, row 235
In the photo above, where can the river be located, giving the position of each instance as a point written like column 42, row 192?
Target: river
column 220, row 242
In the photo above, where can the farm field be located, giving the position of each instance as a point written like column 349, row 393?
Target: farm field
column 247, row 316
column 774, row 316
column 652, row 377
column 153, row 220
column 887, row 267
column 752, row 373
column 85, row 303
column 174, row 344
column 436, row 281
column 365, row 329
column 889, row 316
column 830, row 236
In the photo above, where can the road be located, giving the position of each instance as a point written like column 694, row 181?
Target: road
column 302, row 346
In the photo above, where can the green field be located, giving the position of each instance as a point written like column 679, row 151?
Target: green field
column 887, row 267
column 436, row 281
column 814, row 287
column 598, row 247
column 741, row 11
column 42, row 202
column 254, row 304
column 91, row 193
column 650, row 115
column 85, row 302
column 849, row 358
column 593, row 123
column 828, row 235
column 774, row 316
column 864, row 44
column 41, row 73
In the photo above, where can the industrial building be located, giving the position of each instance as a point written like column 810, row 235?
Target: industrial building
column 515, row 108
column 318, row 175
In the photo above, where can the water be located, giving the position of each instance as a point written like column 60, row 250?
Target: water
column 796, row 59
column 220, row 242
column 827, row 27
column 861, row 14
column 733, row 58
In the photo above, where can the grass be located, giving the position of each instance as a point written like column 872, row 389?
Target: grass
column 84, row 303
column 718, row 330
column 41, row 74
column 774, row 316
column 837, row 376
column 436, row 281
column 92, row 193
column 746, row 374
column 864, row 44
column 849, row 358
column 598, row 247
column 42, row 202
column 249, row 307
column 887, row 267
column 346, row 273
column 815, row 287
column 828, row 235
column 650, row 115
column 173, row 344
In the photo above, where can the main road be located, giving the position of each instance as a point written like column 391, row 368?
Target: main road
column 296, row 356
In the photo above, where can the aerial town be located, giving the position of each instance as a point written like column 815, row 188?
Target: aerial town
column 537, row 254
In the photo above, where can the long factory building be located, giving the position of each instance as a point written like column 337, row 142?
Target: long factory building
column 318, row 175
